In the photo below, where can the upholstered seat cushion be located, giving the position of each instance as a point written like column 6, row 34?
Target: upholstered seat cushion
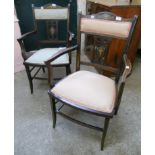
column 44, row 54
column 87, row 89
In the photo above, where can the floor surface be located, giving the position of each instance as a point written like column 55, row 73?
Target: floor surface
column 34, row 134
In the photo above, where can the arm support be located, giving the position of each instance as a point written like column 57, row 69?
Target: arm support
column 55, row 56
column 21, row 43
column 60, row 53
column 26, row 35
column 127, row 68
column 121, row 82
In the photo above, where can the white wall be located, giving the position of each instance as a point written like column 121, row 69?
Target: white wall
column 18, row 60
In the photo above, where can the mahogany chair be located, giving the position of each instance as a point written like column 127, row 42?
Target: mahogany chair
column 51, row 22
column 91, row 92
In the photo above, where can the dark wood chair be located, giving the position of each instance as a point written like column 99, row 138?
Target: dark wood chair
column 51, row 22
column 91, row 92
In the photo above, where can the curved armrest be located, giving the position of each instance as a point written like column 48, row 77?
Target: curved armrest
column 121, row 82
column 20, row 41
column 126, row 71
column 127, row 68
column 60, row 53
column 26, row 35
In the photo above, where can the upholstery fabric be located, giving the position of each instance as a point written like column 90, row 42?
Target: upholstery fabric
column 29, row 54
column 87, row 89
column 105, row 27
column 43, row 54
column 51, row 13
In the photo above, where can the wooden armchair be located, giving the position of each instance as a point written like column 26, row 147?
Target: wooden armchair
column 48, row 20
column 91, row 92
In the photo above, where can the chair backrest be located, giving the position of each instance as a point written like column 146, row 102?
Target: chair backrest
column 108, row 26
column 52, row 23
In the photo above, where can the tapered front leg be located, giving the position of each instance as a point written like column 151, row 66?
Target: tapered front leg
column 29, row 78
column 106, row 124
column 53, row 108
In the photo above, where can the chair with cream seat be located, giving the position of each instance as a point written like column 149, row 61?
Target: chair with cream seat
column 88, row 91
column 48, row 20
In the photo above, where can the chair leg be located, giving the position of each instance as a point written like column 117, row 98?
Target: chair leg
column 116, row 111
column 68, row 70
column 119, row 98
column 106, row 124
column 117, row 107
column 43, row 69
column 53, row 108
column 29, row 77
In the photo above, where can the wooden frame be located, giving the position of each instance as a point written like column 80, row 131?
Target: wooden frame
column 120, row 77
column 125, row 9
column 30, row 66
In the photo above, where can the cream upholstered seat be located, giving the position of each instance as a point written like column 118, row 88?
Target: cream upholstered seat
column 44, row 54
column 92, row 92
column 87, row 89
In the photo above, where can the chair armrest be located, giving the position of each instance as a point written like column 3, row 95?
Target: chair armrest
column 121, row 82
column 126, row 70
column 60, row 53
column 26, row 35
column 20, row 41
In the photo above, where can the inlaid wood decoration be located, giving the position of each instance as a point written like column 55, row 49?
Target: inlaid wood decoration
column 26, row 20
column 52, row 30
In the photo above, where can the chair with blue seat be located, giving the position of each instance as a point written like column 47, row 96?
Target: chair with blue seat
column 51, row 26
column 88, row 91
